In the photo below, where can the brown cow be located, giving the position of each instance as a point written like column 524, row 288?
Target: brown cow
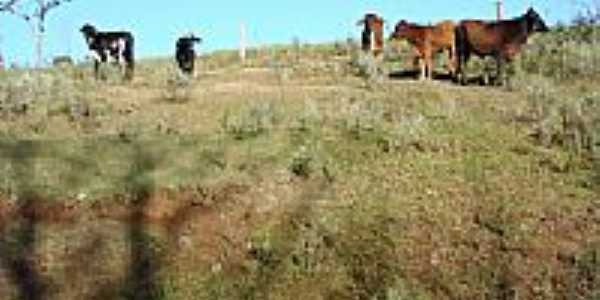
column 501, row 39
column 372, row 35
column 429, row 40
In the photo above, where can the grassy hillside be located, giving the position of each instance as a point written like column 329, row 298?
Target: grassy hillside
column 302, row 175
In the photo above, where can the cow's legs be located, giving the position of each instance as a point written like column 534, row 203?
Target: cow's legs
column 429, row 67
column 193, row 67
column 422, row 68
column 123, row 64
column 504, row 64
column 129, row 65
column 96, row 69
column 460, row 64
column 97, row 57
column 98, row 73
column 463, row 60
column 129, row 69
column 129, row 57
column 428, row 56
column 500, row 72
column 452, row 61
column 462, row 53
column 125, row 59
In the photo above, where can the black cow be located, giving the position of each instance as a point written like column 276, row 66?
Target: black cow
column 185, row 54
column 118, row 45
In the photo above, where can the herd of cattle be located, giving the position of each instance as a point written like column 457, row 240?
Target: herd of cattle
column 118, row 46
column 501, row 39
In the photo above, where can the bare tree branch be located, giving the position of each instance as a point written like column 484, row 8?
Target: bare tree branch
column 7, row 5
column 44, row 7
column 10, row 7
column 41, row 9
column 36, row 18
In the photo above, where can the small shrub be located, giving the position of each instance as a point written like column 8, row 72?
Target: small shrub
column 309, row 118
column 570, row 122
column 563, row 53
column 405, row 135
column 367, row 66
column 112, row 73
column 582, row 279
column 404, row 291
column 178, row 89
column 47, row 93
column 301, row 164
column 249, row 122
column 360, row 120
column 18, row 94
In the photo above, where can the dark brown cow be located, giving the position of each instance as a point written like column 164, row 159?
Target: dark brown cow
column 372, row 35
column 429, row 40
column 501, row 39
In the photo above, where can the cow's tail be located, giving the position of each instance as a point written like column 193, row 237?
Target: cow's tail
column 462, row 52
column 130, row 57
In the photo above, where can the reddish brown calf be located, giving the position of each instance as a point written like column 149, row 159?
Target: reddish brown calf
column 429, row 40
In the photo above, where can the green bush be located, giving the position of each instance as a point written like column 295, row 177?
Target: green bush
column 563, row 53
column 301, row 164
column 566, row 121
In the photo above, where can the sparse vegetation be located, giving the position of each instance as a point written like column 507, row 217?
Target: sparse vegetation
column 288, row 177
column 564, row 53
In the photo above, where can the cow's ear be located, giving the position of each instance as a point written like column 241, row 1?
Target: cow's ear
column 360, row 22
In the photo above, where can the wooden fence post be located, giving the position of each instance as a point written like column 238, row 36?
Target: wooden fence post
column 499, row 10
column 243, row 42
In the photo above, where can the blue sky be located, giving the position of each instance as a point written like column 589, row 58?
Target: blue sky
column 156, row 24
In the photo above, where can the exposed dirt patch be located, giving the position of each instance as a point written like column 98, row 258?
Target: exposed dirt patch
column 166, row 231
column 162, row 206
column 197, row 218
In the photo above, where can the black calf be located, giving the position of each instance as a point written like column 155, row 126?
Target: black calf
column 185, row 54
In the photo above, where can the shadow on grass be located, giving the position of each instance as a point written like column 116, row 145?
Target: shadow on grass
column 141, row 281
column 18, row 244
column 20, row 235
column 414, row 75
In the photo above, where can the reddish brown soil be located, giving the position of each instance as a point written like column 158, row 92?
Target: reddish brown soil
column 208, row 228
column 78, row 243
column 167, row 207
column 206, row 216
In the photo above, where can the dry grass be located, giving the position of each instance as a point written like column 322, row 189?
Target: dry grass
column 352, row 189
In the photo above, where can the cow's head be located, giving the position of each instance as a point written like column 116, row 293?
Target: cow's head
column 535, row 23
column 89, row 32
column 401, row 30
column 371, row 22
column 187, row 42
column 194, row 39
